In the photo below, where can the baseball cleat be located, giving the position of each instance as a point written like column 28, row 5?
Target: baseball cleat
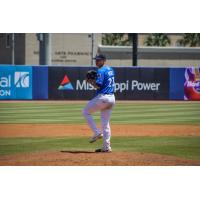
column 96, row 137
column 109, row 150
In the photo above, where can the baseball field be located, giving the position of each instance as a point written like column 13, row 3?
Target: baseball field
column 143, row 133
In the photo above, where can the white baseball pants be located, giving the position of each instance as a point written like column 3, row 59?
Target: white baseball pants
column 103, row 103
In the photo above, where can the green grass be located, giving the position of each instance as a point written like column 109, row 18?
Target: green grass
column 129, row 113
column 185, row 147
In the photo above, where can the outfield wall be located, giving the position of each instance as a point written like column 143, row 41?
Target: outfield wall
column 68, row 83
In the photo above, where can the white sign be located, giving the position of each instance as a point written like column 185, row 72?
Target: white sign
column 5, row 82
column 132, row 85
column 22, row 79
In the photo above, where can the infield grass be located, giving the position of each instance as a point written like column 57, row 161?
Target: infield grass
column 123, row 113
column 185, row 147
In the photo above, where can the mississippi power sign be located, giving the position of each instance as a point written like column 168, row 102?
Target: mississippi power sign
column 130, row 83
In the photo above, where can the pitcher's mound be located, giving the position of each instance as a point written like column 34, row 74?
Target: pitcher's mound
column 83, row 158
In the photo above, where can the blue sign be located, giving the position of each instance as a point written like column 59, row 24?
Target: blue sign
column 15, row 82
column 40, row 82
column 176, row 84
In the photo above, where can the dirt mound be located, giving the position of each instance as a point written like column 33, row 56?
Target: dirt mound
column 93, row 159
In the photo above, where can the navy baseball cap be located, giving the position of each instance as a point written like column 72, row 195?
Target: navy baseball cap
column 99, row 57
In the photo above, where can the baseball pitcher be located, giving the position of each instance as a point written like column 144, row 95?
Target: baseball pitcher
column 103, row 80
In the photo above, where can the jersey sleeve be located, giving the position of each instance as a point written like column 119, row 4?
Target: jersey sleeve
column 100, row 78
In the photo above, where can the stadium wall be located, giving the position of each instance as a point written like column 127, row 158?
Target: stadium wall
column 176, row 84
column 68, row 83
column 16, row 82
column 40, row 82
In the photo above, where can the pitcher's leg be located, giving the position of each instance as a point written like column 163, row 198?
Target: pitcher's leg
column 105, row 117
column 90, row 108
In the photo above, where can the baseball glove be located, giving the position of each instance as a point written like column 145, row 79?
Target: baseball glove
column 91, row 75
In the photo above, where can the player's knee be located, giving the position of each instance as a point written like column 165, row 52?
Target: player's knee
column 85, row 112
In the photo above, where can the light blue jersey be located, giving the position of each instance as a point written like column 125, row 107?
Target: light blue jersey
column 105, row 80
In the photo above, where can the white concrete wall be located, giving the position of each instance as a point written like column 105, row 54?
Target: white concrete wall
column 152, row 56
column 67, row 48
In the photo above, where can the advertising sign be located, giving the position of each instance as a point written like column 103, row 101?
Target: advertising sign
column 15, row 82
column 192, row 83
column 130, row 83
column 69, row 83
column 142, row 83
